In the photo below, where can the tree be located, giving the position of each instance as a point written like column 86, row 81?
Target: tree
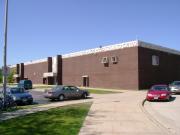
column 10, row 77
column 0, row 75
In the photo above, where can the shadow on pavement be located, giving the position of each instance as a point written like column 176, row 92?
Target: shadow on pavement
column 56, row 100
column 172, row 99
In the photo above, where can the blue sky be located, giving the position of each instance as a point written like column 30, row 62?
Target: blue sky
column 42, row 28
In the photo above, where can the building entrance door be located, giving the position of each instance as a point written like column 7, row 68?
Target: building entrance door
column 85, row 81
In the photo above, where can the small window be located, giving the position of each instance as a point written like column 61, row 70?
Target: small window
column 155, row 60
column 114, row 59
column 105, row 60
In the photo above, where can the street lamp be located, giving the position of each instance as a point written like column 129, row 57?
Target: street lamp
column 5, row 51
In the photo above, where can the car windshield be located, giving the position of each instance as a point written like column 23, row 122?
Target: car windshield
column 17, row 90
column 176, row 83
column 159, row 88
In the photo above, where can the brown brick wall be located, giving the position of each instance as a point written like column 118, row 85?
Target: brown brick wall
column 134, row 69
column 35, row 72
column 166, row 72
column 123, row 75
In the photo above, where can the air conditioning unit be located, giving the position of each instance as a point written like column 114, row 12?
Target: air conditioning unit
column 114, row 59
column 104, row 60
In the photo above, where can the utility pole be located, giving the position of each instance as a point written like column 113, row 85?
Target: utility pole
column 5, row 51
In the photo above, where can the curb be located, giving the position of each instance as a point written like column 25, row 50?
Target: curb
column 153, row 120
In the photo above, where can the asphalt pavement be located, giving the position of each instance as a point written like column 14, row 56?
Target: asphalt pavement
column 38, row 96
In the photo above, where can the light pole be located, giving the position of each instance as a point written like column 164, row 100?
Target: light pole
column 5, row 51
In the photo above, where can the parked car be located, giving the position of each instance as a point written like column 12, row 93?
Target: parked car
column 175, row 87
column 159, row 92
column 62, row 92
column 26, row 84
column 20, row 96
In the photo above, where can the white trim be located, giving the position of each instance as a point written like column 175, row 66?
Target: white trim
column 54, row 64
column 102, row 49
column 157, row 47
column 130, row 44
column 35, row 61
column 85, row 76
column 49, row 74
column 31, row 62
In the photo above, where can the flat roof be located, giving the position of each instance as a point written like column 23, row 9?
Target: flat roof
column 124, row 45
column 102, row 49
column 157, row 47
column 134, row 43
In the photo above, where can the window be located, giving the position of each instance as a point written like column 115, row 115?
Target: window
column 114, row 59
column 72, row 88
column 155, row 60
column 65, row 88
column 105, row 60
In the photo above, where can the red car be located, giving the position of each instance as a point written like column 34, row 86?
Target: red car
column 159, row 92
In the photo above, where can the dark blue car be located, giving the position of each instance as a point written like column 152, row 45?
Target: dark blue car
column 20, row 96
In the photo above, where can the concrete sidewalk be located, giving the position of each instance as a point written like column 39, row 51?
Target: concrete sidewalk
column 166, row 113
column 120, row 114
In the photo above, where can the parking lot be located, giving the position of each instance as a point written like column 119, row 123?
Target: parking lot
column 166, row 113
column 38, row 96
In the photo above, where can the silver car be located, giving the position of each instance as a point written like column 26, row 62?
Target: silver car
column 175, row 87
column 62, row 92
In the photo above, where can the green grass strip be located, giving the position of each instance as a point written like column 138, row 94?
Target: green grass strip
column 59, row 121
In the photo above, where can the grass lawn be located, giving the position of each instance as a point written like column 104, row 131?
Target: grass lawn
column 41, row 86
column 97, row 91
column 60, row 121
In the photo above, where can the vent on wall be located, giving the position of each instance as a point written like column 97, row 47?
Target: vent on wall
column 114, row 59
column 104, row 60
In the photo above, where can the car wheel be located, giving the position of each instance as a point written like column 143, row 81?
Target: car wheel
column 61, row 97
column 30, row 102
column 84, row 95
